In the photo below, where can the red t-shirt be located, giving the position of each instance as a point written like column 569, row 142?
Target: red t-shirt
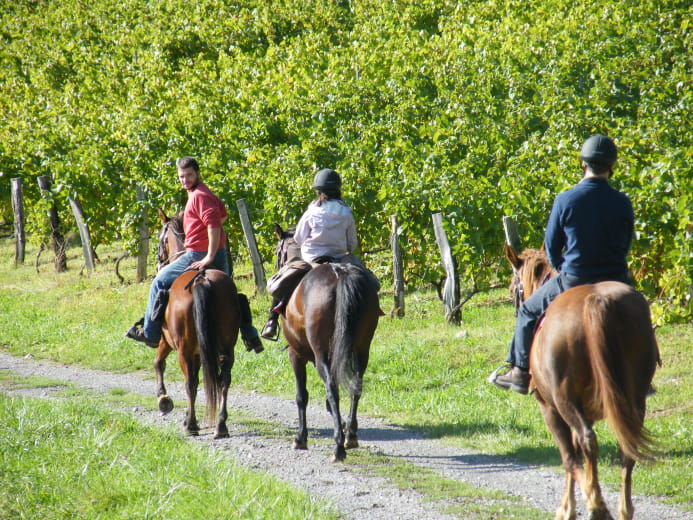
column 203, row 210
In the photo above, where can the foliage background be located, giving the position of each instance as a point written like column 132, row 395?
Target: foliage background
column 476, row 109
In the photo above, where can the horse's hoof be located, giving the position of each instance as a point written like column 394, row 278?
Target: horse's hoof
column 165, row 404
column 351, row 443
column 600, row 514
column 300, row 445
column 339, row 455
column 221, row 433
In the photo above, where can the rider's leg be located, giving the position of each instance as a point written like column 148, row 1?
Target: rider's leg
column 528, row 315
column 249, row 333
column 163, row 280
column 270, row 330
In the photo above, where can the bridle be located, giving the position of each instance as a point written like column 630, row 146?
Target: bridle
column 163, row 257
column 287, row 249
column 517, row 286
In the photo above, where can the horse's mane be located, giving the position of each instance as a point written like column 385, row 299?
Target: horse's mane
column 534, row 258
column 536, row 269
column 177, row 223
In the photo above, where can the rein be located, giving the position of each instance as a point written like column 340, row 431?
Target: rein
column 287, row 250
column 164, row 257
column 519, row 288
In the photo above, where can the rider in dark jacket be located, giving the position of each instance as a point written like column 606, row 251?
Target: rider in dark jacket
column 587, row 240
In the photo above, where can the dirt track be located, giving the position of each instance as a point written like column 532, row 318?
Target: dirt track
column 357, row 496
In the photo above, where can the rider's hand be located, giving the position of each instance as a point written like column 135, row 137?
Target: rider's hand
column 199, row 265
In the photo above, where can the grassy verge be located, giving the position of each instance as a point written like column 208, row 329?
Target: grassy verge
column 423, row 374
column 102, row 436
column 62, row 459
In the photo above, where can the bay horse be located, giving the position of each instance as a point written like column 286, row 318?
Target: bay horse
column 329, row 321
column 201, row 323
column 593, row 357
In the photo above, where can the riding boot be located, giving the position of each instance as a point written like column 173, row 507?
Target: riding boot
column 516, row 379
column 248, row 332
column 271, row 329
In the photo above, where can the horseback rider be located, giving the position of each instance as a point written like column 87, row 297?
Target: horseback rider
column 325, row 232
column 205, row 241
column 587, row 240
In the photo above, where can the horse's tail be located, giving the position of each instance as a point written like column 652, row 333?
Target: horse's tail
column 208, row 343
column 607, row 352
column 353, row 284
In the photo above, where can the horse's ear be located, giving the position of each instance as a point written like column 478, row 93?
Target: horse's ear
column 512, row 256
column 542, row 249
column 162, row 215
column 278, row 231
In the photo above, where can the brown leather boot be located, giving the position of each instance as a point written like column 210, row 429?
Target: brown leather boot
column 516, row 379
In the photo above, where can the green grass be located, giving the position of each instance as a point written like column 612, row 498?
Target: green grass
column 62, row 459
column 423, row 373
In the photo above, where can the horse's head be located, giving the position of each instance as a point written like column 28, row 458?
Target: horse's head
column 287, row 248
column 531, row 269
column 171, row 239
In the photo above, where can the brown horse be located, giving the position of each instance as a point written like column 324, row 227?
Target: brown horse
column 593, row 357
column 329, row 321
column 201, row 323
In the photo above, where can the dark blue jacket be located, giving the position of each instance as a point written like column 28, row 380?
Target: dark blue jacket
column 590, row 230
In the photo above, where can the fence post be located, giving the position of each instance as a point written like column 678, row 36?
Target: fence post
column 143, row 249
column 83, row 233
column 258, row 270
column 397, row 269
column 512, row 236
column 451, row 289
column 57, row 239
column 18, row 209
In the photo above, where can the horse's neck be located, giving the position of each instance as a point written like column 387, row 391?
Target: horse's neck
column 293, row 253
column 175, row 245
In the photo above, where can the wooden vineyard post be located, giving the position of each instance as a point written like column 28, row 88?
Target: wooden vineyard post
column 143, row 249
column 83, row 233
column 451, row 289
column 397, row 269
column 57, row 239
column 18, row 209
column 512, row 237
column 258, row 270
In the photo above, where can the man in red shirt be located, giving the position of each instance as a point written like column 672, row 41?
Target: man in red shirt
column 205, row 239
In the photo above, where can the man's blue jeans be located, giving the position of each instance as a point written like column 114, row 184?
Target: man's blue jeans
column 534, row 308
column 165, row 278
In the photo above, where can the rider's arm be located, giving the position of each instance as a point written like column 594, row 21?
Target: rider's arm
column 554, row 238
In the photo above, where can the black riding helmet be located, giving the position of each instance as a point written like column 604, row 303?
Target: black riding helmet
column 327, row 180
column 599, row 151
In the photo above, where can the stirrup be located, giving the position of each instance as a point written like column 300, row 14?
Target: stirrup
column 274, row 336
column 494, row 374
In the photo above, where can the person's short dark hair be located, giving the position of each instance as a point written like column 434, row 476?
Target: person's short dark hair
column 187, row 162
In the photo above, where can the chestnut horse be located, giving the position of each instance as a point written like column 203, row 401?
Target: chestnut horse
column 329, row 321
column 201, row 323
column 593, row 357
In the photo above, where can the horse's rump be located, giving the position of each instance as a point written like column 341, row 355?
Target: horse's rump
column 203, row 310
column 337, row 306
column 597, row 348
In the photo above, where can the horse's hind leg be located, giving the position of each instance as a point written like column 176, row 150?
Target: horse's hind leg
column 222, row 430
column 191, row 371
column 299, row 366
column 625, row 504
column 562, row 435
column 352, row 425
column 332, row 391
column 165, row 402
column 585, row 440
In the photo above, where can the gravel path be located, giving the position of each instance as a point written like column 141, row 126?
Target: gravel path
column 357, row 496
